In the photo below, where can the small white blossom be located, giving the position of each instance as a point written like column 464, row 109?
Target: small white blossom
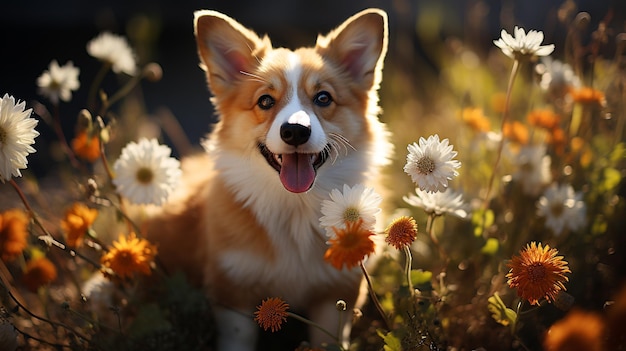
column 58, row 82
column 145, row 173
column 17, row 134
column 563, row 208
column 523, row 44
column 354, row 203
column 439, row 203
column 556, row 77
column 430, row 163
column 115, row 50
column 533, row 169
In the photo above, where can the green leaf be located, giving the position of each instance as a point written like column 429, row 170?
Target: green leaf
column 392, row 343
column 500, row 313
column 612, row 177
column 491, row 247
column 482, row 219
column 618, row 153
column 420, row 277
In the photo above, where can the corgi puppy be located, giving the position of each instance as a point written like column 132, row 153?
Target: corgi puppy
column 293, row 125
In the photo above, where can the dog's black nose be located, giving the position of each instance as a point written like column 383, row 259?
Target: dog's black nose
column 295, row 133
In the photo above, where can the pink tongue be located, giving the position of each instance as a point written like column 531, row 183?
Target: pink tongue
column 297, row 173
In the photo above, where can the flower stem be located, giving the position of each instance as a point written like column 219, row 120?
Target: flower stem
column 123, row 91
column 375, row 300
column 97, row 81
column 315, row 325
column 505, row 117
column 58, row 129
column 407, row 268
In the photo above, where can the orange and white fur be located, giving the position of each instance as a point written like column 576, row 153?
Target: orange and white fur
column 293, row 125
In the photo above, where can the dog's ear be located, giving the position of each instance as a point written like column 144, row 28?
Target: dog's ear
column 358, row 45
column 226, row 49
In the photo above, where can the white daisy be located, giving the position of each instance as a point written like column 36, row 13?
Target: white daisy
column 145, row 172
column 523, row 44
column 17, row 134
column 358, row 202
column 430, row 164
column 58, row 82
column 115, row 50
column 533, row 169
column 556, row 76
column 563, row 208
column 439, row 203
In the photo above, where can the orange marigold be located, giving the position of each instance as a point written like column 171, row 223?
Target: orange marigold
column 544, row 118
column 38, row 272
column 588, row 96
column 129, row 256
column 578, row 331
column 476, row 119
column 537, row 272
column 78, row 219
column 401, row 232
column 349, row 246
column 516, row 132
column 271, row 313
column 13, row 234
column 85, row 147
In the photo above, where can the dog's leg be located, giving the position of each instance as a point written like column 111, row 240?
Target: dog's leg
column 326, row 315
column 236, row 330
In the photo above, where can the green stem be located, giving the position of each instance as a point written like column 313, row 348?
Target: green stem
column 505, row 117
column 123, row 91
column 375, row 300
column 407, row 268
column 97, row 81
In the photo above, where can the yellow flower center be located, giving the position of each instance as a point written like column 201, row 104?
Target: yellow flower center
column 145, row 175
column 536, row 272
column 351, row 214
column 425, row 165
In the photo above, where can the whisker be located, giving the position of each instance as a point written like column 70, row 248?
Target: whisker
column 255, row 77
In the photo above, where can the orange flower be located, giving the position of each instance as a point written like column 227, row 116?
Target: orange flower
column 588, row 96
column 544, row 118
column 578, row 331
column 128, row 256
column 556, row 138
column 516, row 132
column 349, row 246
column 271, row 313
column 537, row 272
column 38, row 272
column 13, row 234
column 86, row 148
column 475, row 119
column 77, row 221
column 401, row 232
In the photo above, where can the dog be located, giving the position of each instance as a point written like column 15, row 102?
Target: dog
column 292, row 126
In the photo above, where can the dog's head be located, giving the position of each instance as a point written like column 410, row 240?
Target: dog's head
column 295, row 109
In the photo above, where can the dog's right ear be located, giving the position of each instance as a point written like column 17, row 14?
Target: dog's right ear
column 226, row 49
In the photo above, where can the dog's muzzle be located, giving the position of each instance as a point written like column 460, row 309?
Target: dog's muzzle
column 297, row 170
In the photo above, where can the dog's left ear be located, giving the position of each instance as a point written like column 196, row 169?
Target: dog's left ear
column 359, row 46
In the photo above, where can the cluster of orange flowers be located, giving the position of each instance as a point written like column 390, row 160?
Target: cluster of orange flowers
column 127, row 256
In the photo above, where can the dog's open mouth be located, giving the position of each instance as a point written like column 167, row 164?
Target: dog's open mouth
column 297, row 170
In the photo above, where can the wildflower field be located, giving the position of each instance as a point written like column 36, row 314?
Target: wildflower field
column 503, row 217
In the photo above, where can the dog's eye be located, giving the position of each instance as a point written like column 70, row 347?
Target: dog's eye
column 322, row 99
column 265, row 102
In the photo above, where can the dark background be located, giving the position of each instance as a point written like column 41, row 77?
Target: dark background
column 35, row 32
